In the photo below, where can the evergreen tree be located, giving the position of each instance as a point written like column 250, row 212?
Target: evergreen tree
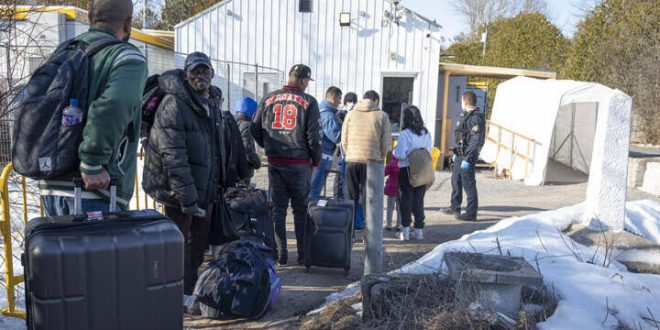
column 176, row 11
column 527, row 41
column 618, row 45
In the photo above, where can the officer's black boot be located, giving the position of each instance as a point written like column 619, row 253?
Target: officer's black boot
column 451, row 211
column 466, row 217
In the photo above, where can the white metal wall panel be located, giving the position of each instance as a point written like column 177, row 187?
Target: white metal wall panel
column 272, row 33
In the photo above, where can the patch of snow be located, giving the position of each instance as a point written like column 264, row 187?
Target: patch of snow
column 590, row 296
column 643, row 219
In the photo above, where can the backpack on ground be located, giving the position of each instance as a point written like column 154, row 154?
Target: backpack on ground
column 43, row 148
column 421, row 172
column 242, row 282
column 249, row 212
column 152, row 95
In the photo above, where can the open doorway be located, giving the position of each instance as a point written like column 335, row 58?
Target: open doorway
column 397, row 94
column 572, row 143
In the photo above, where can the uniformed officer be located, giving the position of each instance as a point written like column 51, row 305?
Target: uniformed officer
column 469, row 140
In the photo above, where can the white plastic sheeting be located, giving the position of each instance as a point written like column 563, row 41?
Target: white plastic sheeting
column 585, row 126
column 560, row 115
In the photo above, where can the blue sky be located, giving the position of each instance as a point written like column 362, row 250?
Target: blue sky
column 565, row 14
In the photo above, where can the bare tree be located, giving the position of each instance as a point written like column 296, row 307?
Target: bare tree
column 23, row 46
column 533, row 6
column 482, row 12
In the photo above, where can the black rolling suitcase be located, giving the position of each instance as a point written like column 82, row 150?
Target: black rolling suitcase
column 124, row 271
column 329, row 234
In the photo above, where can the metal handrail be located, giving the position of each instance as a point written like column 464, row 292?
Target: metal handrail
column 11, row 281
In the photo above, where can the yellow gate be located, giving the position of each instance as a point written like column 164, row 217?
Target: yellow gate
column 12, row 280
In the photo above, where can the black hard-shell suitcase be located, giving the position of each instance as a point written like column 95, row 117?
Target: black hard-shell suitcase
column 122, row 272
column 329, row 234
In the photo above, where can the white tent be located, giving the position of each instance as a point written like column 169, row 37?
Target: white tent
column 559, row 115
column 581, row 125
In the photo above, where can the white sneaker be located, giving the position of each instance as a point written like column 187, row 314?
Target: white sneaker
column 418, row 234
column 404, row 235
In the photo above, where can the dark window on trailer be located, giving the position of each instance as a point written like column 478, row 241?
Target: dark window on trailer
column 305, row 6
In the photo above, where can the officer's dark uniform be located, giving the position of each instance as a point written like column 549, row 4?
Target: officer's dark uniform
column 469, row 140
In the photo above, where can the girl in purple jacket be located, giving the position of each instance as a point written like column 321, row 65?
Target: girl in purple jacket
column 392, row 192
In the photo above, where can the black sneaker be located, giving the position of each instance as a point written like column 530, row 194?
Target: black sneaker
column 465, row 217
column 282, row 261
column 450, row 211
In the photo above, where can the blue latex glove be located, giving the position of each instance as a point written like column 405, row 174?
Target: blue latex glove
column 453, row 158
column 465, row 166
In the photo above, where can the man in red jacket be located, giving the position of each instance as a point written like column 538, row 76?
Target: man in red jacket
column 286, row 125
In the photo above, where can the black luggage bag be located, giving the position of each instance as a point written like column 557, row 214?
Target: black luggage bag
column 124, row 271
column 249, row 211
column 329, row 234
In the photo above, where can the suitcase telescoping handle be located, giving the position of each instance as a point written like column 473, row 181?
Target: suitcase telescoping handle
column 77, row 195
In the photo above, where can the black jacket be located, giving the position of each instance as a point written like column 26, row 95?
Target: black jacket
column 470, row 135
column 236, row 164
column 185, row 163
column 286, row 125
column 248, row 142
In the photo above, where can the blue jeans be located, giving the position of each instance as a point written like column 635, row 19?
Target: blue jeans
column 319, row 178
column 62, row 205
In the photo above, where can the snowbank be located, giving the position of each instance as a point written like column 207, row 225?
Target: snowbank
column 590, row 296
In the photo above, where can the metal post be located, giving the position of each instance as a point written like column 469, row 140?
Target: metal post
column 228, row 88
column 484, row 39
column 256, row 82
column 145, row 22
column 145, row 25
column 373, row 211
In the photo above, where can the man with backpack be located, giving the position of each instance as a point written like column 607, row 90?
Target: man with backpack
column 191, row 155
column 103, row 115
column 287, row 127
